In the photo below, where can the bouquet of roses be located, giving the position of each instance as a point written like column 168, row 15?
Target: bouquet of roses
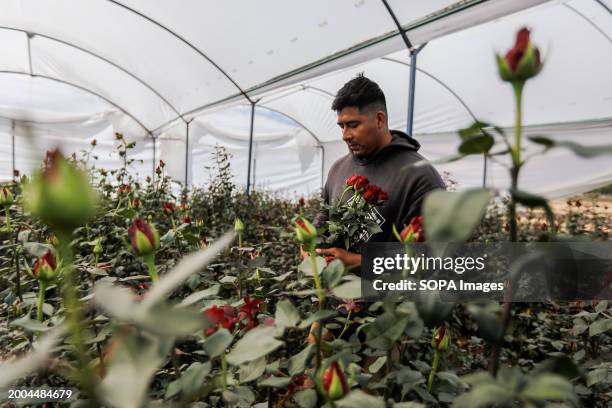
column 353, row 220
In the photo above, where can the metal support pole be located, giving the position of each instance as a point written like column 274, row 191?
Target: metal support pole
column 187, row 123
column 13, row 149
column 484, row 171
column 153, row 161
column 322, row 166
column 411, row 89
column 255, row 169
column 248, row 186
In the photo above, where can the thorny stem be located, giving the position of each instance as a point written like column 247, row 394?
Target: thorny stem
column 434, row 369
column 74, row 312
column 224, row 371
column 321, row 297
column 42, row 286
column 150, row 261
column 514, row 174
column 346, row 323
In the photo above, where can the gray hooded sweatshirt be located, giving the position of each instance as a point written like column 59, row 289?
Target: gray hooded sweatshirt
column 406, row 189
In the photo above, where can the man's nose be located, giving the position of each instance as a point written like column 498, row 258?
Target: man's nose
column 346, row 134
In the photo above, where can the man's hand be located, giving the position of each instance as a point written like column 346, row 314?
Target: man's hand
column 347, row 258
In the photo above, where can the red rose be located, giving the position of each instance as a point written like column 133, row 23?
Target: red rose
column 186, row 220
column 168, row 208
column 413, row 232
column 249, row 310
column 301, row 202
column 372, row 194
column 357, row 182
column 225, row 317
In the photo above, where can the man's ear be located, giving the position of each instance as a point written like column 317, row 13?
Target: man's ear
column 381, row 119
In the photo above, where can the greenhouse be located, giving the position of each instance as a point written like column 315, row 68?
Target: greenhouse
column 173, row 229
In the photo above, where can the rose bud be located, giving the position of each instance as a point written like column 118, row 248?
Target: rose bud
column 333, row 382
column 357, row 182
column 413, row 232
column 301, row 202
column 186, row 220
column 144, row 238
column 45, row 268
column 522, row 61
column 118, row 136
column 60, row 195
column 15, row 173
column 136, row 202
column 238, row 226
column 162, row 164
column 441, row 339
column 305, row 233
column 124, row 189
column 6, row 197
column 93, row 142
column 97, row 249
column 168, row 208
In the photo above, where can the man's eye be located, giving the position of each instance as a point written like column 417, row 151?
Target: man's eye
column 352, row 125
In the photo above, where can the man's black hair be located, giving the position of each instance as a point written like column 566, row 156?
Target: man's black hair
column 361, row 93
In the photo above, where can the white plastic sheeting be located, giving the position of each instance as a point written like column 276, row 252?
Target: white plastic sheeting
column 146, row 63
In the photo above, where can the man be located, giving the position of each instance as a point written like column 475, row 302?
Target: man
column 379, row 154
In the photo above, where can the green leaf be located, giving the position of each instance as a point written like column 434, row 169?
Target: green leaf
column 306, row 266
column 29, row 324
column 216, row 344
column 252, row 370
column 385, row 330
column 579, row 150
column 319, row 315
column 451, row 216
column 306, row 398
column 549, row 387
column 601, row 306
column 276, row 382
column 359, row 399
column 561, row 365
column 131, row 368
column 348, row 290
column 37, row 249
column 483, row 395
column 476, row 144
column 408, row 405
column 200, row 295
column 600, row 326
column 256, row 343
column 286, row 314
column 332, row 274
column 596, row 376
column 297, row 363
column 377, row 365
column 534, row 201
column 190, row 381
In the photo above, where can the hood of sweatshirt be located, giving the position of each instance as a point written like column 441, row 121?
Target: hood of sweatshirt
column 399, row 141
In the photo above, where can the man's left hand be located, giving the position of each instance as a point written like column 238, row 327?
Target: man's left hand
column 347, row 258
